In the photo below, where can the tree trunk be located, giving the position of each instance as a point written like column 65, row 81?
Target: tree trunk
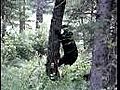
column 100, row 48
column 39, row 12
column 84, row 41
column 4, row 27
column 53, row 43
column 22, row 16
column 4, row 19
column 112, row 67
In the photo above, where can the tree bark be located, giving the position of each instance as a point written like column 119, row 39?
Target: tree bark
column 100, row 48
column 53, row 43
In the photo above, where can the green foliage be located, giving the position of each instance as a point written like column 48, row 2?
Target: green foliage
column 23, row 55
column 81, row 21
column 33, row 77
column 22, row 47
column 23, row 69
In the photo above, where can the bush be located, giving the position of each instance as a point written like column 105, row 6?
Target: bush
column 32, row 76
column 23, row 46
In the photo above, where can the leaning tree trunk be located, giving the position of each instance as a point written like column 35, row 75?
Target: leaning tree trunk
column 53, row 43
column 100, row 49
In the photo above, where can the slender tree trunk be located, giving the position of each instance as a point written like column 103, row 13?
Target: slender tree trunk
column 83, row 35
column 4, row 26
column 100, row 48
column 4, row 19
column 39, row 12
column 53, row 43
column 22, row 16
column 24, row 3
column 91, row 9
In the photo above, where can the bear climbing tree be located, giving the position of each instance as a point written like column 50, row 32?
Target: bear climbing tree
column 53, row 54
column 69, row 47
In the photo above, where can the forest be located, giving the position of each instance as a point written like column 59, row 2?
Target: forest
column 58, row 44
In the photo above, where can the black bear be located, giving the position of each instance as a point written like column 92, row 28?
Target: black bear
column 69, row 47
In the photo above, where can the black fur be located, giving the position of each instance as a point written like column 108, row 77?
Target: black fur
column 69, row 47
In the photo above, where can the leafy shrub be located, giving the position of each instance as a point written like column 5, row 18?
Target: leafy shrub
column 23, row 46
